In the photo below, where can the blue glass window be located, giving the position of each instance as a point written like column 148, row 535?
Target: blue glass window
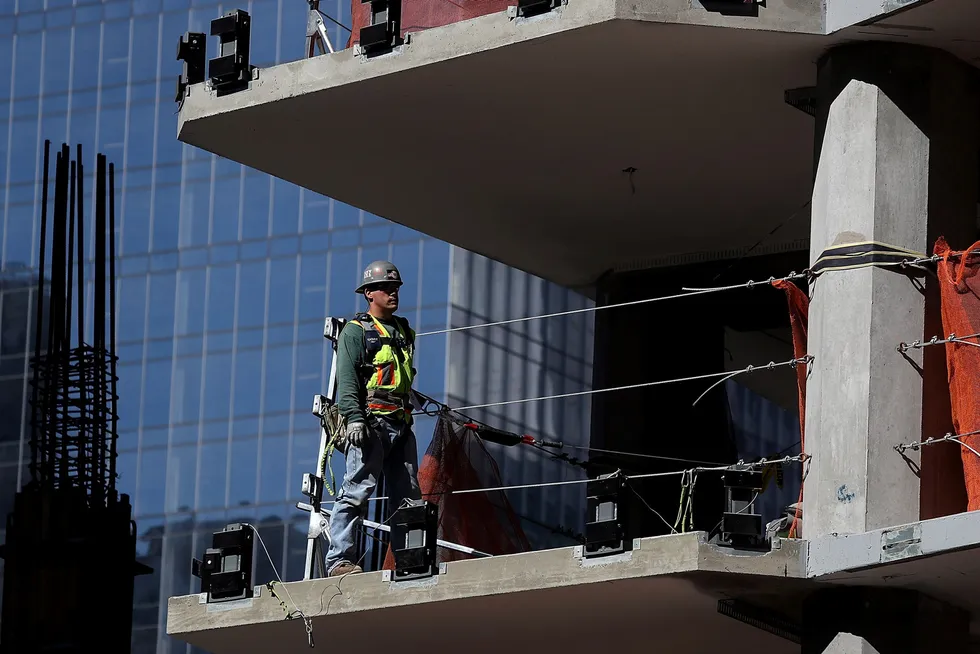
column 115, row 53
column 435, row 272
column 19, row 242
column 112, row 132
column 221, row 298
column 139, row 149
column 251, row 311
column 255, row 214
column 195, row 209
column 132, row 309
column 141, row 7
column 248, row 382
column 285, row 212
column 86, row 56
column 156, row 393
column 272, row 477
column 344, row 276
column 153, row 482
column 166, row 218
column 217, row 386
column 134, row 216
column 181, row 478
column 190, row 301
column 211, row 485
column 57, row 60
column 265, row 24
column 226, row 203
column 313, row 282
column 169, row 149
column 279, row 378
column 316, row 211
column 82, row 129
column 185, row 401
column 244, row 463
column 161, row 315
column 406, row 257
column 28, row 65
column 145, row 39
column 309, row 366
column 25, row 150
column 345, row 215
column 6, row 63
column 282, row 290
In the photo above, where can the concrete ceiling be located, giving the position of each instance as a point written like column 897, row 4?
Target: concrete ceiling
column 628, row 615
column 518, row 152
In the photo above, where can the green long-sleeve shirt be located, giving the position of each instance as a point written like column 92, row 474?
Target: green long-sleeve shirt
column 351, row 357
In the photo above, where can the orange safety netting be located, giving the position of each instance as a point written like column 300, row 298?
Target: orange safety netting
column 457, row 459
column 799, row 308
column 424, row 14
column 959, row 280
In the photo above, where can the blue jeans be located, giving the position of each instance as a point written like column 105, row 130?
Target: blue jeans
column 390, row 449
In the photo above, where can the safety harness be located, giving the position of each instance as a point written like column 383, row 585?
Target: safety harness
column 388, row 372
column 387, row 377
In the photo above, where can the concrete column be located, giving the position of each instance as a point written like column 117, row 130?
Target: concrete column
column 897, row 163
column 849, row 644
column 866, row 620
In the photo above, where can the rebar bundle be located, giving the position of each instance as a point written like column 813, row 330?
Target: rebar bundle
column 73, row 400
column 71, row 534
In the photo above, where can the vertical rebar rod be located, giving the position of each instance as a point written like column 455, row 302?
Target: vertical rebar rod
column 49, row 387
column 69, row 296
column 112, row 326
column 84, row 359
column 56, row 319
column 98, row 323
column 37, row 436
column 61, row 338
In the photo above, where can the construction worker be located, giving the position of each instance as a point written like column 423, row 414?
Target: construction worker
column 374, row 384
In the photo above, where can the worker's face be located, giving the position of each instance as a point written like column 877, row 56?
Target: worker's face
column 385, row 296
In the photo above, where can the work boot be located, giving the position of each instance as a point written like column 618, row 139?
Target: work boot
column 344, row 568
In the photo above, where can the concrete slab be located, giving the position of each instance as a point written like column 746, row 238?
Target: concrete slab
column 669, row 586
column 546, row 126
column 551, row 596
column 510, row 138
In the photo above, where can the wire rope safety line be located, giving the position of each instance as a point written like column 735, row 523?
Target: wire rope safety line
column 948, row 438
column 725, row 375
column 415, row 526
column 687, row 292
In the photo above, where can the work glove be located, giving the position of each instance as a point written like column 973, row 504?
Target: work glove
column 357, row 434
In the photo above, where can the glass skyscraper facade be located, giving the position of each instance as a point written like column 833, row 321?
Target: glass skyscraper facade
column 223, row 281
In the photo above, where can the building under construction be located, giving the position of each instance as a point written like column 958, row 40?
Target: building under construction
column 784, row 192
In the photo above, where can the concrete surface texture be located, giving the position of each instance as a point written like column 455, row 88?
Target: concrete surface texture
column 883, row 144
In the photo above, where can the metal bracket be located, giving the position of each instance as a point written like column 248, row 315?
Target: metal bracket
column 901, row 543
column 578, row 552
column 386, row 576
column 202, row 598
column 532, row 8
